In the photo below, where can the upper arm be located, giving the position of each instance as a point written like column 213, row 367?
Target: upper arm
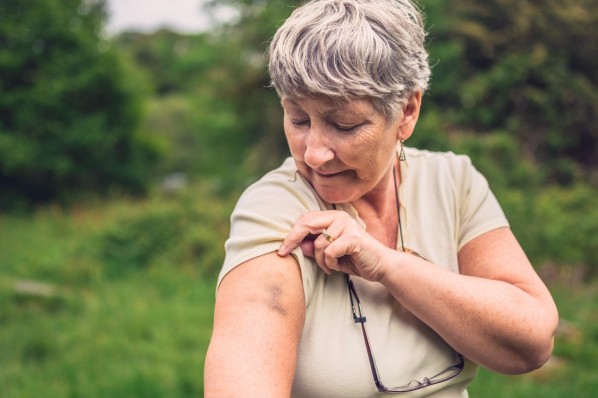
column 258, row 320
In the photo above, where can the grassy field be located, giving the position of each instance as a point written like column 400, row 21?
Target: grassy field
column 116, row 301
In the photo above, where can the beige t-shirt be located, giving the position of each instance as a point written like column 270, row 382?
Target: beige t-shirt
column 445, row 203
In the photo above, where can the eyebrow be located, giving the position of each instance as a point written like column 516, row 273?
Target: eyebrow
column 334, row 109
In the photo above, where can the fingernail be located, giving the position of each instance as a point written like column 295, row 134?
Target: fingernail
column 281, row 250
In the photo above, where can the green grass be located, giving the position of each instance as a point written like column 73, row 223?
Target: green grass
column 124, row 300
column 144, row 336
column 76, row 323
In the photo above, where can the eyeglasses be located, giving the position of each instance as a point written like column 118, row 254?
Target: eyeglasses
column 358, row 317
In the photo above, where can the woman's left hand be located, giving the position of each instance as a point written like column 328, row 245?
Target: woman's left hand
column 350, row 249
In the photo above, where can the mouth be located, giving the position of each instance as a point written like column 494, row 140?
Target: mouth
column 327, row 174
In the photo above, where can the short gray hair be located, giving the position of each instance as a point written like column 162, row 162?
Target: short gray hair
column 347, row 49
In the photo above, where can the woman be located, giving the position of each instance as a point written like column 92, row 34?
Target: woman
column 321, row 293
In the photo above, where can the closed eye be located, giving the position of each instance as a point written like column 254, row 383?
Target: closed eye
column 300, row 122
column 348, row 128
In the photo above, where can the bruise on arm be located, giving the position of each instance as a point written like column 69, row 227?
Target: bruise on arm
column 274, row 299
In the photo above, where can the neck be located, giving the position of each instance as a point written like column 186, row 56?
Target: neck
column 379, row 210
column 381, row 201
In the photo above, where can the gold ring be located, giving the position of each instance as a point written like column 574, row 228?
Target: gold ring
column 327, row 235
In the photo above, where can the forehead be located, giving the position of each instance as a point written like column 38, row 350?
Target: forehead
column 327, row 106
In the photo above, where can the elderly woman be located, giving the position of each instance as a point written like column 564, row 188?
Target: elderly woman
column 323, row 292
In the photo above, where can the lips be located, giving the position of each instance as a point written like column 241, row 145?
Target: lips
column 327, row 174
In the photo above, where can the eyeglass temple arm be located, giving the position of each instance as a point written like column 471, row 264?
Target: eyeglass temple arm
column 362, row 319
column 373, row 366
column 357, row 319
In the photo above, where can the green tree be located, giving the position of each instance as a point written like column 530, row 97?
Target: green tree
column 175, row 62
column 256, row 105
column 194, row 111
column 69, row 108
column 526, row 67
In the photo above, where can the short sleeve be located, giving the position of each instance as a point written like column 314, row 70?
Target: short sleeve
column 264, row 215
column 478, row 209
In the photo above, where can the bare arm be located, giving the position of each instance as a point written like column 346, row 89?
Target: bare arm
column 497, row 311
column 258, row 319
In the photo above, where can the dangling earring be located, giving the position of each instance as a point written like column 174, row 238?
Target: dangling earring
column 402, row 156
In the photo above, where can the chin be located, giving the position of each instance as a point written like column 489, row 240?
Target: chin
column 333, row 195
column 332, row 190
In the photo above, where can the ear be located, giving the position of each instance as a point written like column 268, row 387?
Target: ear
column 409, row 116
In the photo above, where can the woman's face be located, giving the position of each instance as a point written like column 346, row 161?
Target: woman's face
column 343, row 150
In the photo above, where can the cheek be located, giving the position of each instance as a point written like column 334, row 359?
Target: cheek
column 372, row 154
column 295, row 141
column 369, row 148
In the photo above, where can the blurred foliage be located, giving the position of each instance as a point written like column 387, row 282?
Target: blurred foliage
column 70, row 107
column 514, row 87
column 556, row 225
column 186, row 229
column 181, row 231
column 196, row 111
column 256, row 104
column 110, row 299
column 525, row 67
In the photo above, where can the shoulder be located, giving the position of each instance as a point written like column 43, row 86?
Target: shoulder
column 278, row 190
column 438, row 161
column 264, row 215
column 446, row 170
column 450, row 184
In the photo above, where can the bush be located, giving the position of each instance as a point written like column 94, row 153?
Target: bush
column 185, row 231
column 556, row 225
column 524, row 67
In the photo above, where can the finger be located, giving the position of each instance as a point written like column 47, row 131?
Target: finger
column 307, row 247
column 320, row 245
column 308, row 223
column 327, row 235
column 337, row 255
column 332, row 262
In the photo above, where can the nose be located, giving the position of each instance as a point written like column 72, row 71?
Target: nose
column 318, row 149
